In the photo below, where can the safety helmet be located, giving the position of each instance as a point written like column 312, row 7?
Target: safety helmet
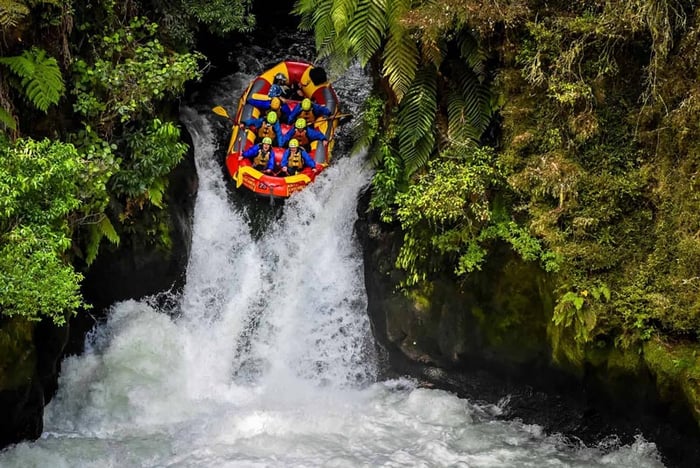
column 271, row 118
column 267, row 141
column 275, row 103
column 293, row 143
column 280, row 78
column 300, row 123
column 306, row 104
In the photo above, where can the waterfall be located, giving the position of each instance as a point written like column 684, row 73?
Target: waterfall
column 267, row 359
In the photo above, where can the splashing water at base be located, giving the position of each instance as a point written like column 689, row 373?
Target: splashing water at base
column 269, row 361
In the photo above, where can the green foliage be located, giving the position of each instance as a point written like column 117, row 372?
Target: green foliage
column 39, row 188
column 416, row 120
column 387, row 183
column 36, row 281
column 400, row 58
column 131, row 72
column 448, row 218
column 154, row 150
column 41, row 79
column 221, row 16
column 370, row 124
column 97, row 231
column 11, row 13
column 469, row 104
column 7, row 119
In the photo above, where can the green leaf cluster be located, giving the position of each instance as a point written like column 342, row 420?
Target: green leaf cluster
column 449, row 218
column 130, row 72
column 41, row 187
column 155, row 150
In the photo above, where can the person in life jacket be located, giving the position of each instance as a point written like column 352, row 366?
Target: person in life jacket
column 309, row 111
column 267, row 126
column 259, row 154
column 279, row 86
column 275, row 104
column 294, row 159
column 303, row 134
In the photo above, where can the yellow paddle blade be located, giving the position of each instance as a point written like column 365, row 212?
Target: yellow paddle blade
column 218, row 110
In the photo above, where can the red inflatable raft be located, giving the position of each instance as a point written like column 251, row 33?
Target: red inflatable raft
column 307, row 79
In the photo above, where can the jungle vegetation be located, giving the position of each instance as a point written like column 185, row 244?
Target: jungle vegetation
column 87, row 138
column 567, row 130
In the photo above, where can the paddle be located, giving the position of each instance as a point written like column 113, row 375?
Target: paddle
column 218, row 110
column 339, row 116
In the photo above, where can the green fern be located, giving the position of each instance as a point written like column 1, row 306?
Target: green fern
column 40, row 75
column 472, row 54
column 469, row 108
column 368, row 28
column 11, row 12
column 417, row 120
column 400, row 55
column 103, row 228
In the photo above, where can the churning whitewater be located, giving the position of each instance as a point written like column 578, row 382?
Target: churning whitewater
column 268, row 359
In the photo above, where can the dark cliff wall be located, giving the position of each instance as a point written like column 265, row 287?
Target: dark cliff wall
column 486, row 340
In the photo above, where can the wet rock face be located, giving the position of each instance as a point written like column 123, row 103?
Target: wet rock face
column 486, row 340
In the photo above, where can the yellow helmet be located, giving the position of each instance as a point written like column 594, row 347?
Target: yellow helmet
column 267, row 141
column 306, row 104
column 293, row 143
column 271, row 118
column 275, row 103
column 300, row 123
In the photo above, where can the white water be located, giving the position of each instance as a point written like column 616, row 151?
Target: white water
column 270, row 362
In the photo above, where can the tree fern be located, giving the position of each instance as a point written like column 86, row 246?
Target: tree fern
column 417, row 120
column 40, row 76
column 469, row 108
column 368, row 28
column 400, row 57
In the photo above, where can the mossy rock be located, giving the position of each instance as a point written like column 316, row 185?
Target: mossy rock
column 676, row 367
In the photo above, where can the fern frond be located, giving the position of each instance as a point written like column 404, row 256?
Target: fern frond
column 7, row 119
column 400, row 62
column 41, row 77
column 324, row 31
column 434, row 51
column 472, row 54
column 416, row 120
column 11, row 12
column 367, row 29
column 469, row 103
column 104, row 228
column 342, row 13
